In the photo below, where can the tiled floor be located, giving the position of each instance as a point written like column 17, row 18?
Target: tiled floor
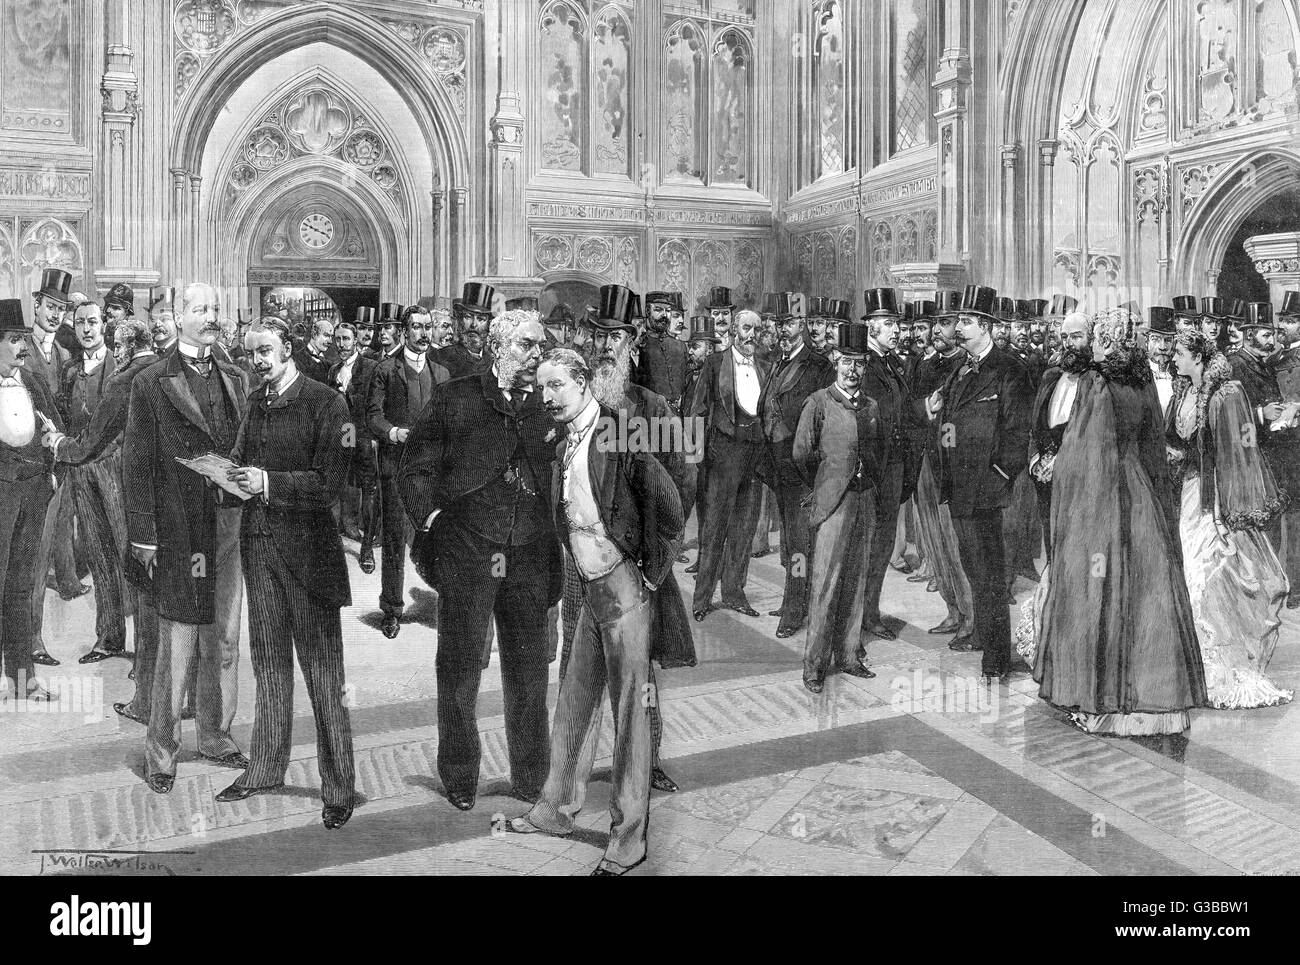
column 921, row 771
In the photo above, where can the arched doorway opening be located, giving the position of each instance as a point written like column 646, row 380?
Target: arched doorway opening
column 1237, row 275
column 579, row 293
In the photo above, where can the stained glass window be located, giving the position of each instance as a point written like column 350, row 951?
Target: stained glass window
column 683, row 69
column 828, row 85
column 910, row 82
column 562, row 68
column 610, row 49
column 729, row 130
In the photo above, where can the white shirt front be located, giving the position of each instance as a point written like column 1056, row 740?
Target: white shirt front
column 345, row 371
column 415, row 360
column 746, row 375
column 45, row 342
column 1164, row 385
column 94, row 360
column 17, row 414
column 1059, row 408
column 593, row 552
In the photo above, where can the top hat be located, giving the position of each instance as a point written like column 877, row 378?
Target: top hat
column 979, row 300
column 390, row 312
column 852, row 339
column 946, row 303
column 1005, row 310
column 11, row 315
column 880, row 302
column 672, row 299
column 476, row 297
column 702, row 328
column 817, row 306
column 837, row 309
column 1290, row 303
column 1161, row 320
column 54, row 284
column 162, row 298
column 1258, row 315
column 1062, row 305
column 799, row 307
column 908, row 312
column 922, row 310
column 526, row 303
column 1237, row 308
column 120, row 296
column 365, row 317
column 1186, row 305
column 617, row 310
column 1214, row 306
column 719, row 298
column 1031, row 308
column 778, row 304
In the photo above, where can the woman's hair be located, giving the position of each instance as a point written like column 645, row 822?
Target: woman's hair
column 1201, row 348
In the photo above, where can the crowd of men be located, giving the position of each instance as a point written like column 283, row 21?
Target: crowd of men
column 909, row 438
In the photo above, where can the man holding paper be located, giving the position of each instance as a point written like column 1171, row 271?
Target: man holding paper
column 185, row 532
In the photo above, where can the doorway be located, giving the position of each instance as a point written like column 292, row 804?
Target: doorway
column 1237, row 275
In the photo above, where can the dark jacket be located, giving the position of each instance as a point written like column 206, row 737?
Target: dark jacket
column 641, row 403
column 1260, row 382
column 299, row 440
column 1045, row 441
column 984, row 431
column 109, row 421
column 661, row 367
column 927, row 375
column 885, row 382
column 168, row 505
column 311, row 366
column 358, row 393
column 33, row 459
column 50, row 370
column 714, row 397
column 836, row 444
column 457, row 360
column 77, row 389
column 780, row 405
column 387, row 407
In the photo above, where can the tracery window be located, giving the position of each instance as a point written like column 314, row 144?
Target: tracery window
column 829, row 67
column 909, row 75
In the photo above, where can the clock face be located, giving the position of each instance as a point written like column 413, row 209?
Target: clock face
column 316, row 230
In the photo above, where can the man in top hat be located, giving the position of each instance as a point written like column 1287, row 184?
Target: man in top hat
column 352, row 375
column 821, row 332
column 1187, row 314
column 184, row 533
column 1022, row 530
column 722, row 310
column 470, row 355
column 560, row 324
column 798, row 372
column 476, row 482
column 26, row 488
column 388, row 332
column 678, row 327
column 162, row 318
column 884, row 381
column 982, row 411
column 1214, row 321
column 119, row 303
column 1234, row 324
column 726, row 398
column 1061, row 306
column 919, row 319
column 1028, row 311
column 704, row 341
column 840, row 449
column 661, row 367
column 401, row 387
column 1161, row 329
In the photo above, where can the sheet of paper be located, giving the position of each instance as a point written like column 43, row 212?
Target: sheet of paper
column 213, row 466
column 1287, row 418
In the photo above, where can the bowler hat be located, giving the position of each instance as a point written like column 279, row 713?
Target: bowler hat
column 1214, row 307
column 54, row 284
column 776, row 303
column 162, row 298
column 11, row 315
column 1062, row 305
column 837, row 309
column 702, row 328
column 946, row 303
column 120, row 296
column 719, row 298
column 526, row 303
column 390, row 312
column 672, row 299
column 365, row 317
column 1186, row 305
column 1161, row 320
column 476, row 297
column 979, row 300
column 1258, row 315
column 852, row 339
column 617, row 309
column 1290, row 303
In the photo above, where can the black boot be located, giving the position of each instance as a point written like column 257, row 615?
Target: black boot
column 369, row 522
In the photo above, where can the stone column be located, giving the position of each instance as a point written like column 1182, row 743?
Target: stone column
column 1012, row 268
column 176, row 258
column 952, row 82
column 456, row 239
column 1040, row 250
column 434, row 283
column 197, row 264
column 1277, row 258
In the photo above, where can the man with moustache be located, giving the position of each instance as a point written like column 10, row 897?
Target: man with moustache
column 677, row 325
column 798, row 373
column 661, row 367
column 119, row 304
column 185, row 533
column 352, row 375
column 291, row 460
column 389, row 330
column 885, row 382
column 1061, row 306
column 1022, row 346
column 726, row 399
column 840, row 450
column 822, row 331
column 400, row 389
column 48, row 360
column 347, row 352
column 470, row 355
column 1021, row 527
column 934, row 522
column 1187, row 314
column 723, row 311
column 133, row 353
column 982, row 410
column 617, row 514
column 704, row 341
column 96, row 486
column 444, row 329
column 315, row 362
column 1160, row 331
column 26, row 488
column 162, row 318
column 1053, row 406
column 476, row 481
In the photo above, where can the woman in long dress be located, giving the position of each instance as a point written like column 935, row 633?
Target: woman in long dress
column 1236, row 583
column 1116, row 642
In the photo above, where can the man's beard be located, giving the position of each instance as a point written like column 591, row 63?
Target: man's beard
column 507, row 368
column 610, row 378
column 1076, row 360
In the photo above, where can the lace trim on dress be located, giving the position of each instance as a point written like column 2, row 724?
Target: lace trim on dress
column 1258, row 518
column 1231, row 688
column 1131, row 725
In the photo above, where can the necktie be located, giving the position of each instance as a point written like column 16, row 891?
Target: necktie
column 517, row 397
column 201, row 365
column 972, row 367
column 271, row 396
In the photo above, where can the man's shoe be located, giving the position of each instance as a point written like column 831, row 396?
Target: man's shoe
column 744, row 608
column 694, row 567
column 662, row 782
column 919, row 577
column 71, row 593
column 683, row 558
column 759, row 554
column 783, row 632
column 858, row 670
column 461, row 800
column 964, row 644
column 901, row 565
column 779, row 611
column 44, row 659
column 335, row 816
column 602, row 872
column 162, row 783
column 932, row 586
column 39, row 694
column 391, row 626
column 813, row 685
column 367, row 560
column 701, row 614
column 233, row 759
column 949, row 625
column 883, row 632
column 124, row 710
column 95, row 656
column 237, row 792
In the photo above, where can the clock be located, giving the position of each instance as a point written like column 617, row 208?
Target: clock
column 316, row 230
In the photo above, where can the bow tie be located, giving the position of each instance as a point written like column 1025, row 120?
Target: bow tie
column 972, row 367
column 202, row 365
column 743, row 360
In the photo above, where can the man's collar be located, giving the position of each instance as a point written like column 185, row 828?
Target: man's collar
column 798, row 347
column 96, row 356
column 350, row 360
column 195, row 351
column 844, row 396
column 140, row 355
column 741, row 357
column 583, row 420
column 416, row 359
column 984, row 354
column 287, row 380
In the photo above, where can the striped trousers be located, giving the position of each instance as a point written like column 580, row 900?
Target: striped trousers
column 283, row 618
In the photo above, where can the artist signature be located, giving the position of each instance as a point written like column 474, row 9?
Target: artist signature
column 54, row 862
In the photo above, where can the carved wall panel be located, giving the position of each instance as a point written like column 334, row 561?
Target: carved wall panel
column 826, row 262
column 611, row 47
column 563, row 65
column 607, row 255
column 8, row 264
column 683, row 81
column 36, row 69
column 694, row 265
column 902, row 238
column 47, row 243
column 829, row 82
